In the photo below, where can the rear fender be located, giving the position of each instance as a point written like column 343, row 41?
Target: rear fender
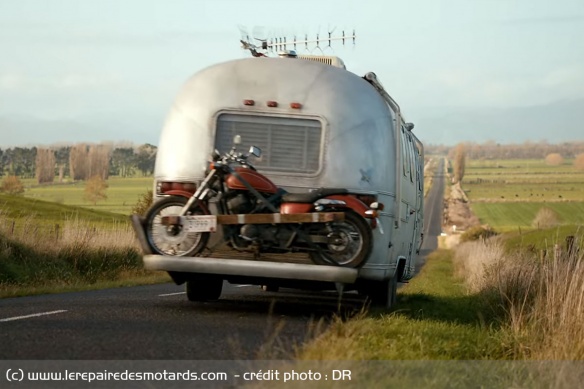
column 352, row 202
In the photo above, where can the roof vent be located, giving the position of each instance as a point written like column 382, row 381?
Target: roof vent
column 326, row 59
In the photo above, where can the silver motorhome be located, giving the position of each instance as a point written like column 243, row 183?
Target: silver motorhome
column 318, row 125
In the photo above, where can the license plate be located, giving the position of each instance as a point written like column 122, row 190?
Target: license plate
column 200, row 223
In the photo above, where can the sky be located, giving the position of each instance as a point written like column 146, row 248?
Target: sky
column 462, row 70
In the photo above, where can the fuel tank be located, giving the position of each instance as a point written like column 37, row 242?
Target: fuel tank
column 257, row 180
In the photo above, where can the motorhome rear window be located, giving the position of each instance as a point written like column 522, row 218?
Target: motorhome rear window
column 289, row 145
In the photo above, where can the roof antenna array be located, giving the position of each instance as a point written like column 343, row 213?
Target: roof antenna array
column 281, row 43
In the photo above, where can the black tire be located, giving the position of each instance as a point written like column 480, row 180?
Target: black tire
column 381, row 293
column 204, row 289
column 270, row 288
column 173, row 240
column 353, row 241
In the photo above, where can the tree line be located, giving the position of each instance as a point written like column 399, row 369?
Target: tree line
column 77, row 162
column 525, row 150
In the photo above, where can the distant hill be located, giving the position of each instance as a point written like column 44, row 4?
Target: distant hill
column 23, row 130
column 561, row 121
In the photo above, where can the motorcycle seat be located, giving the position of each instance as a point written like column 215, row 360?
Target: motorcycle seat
column 311, row 197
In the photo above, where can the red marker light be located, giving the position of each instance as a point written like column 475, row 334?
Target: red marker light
column 248, row 102
column 295, row 105
column 272, row 103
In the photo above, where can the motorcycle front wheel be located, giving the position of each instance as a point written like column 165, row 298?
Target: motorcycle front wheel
column 348, row 243
column 173, row 239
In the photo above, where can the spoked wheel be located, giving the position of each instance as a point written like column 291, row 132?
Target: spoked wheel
column 173, row 239
column 347, row 243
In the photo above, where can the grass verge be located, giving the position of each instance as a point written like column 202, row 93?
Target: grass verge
column 26, row 269
column 435, row 319
column 48, row 248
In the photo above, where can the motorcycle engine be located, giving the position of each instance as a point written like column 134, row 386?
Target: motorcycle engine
column 240, row 203
column 264, row 232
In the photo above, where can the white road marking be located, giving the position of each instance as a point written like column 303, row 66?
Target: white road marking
column 242, row 286
column 33, row 315
column 171, row 294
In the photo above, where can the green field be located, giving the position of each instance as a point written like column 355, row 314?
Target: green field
column 507, row 216
column 522, row 180
column 122, row 193
column 507, row 194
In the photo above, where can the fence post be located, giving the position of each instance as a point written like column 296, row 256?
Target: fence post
column 571, row 248
column 57, row 231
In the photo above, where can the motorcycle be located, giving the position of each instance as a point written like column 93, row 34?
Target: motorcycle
column 333, row 226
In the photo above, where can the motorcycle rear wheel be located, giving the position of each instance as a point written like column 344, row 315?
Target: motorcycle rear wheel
column 173, row 239
column 350, row 242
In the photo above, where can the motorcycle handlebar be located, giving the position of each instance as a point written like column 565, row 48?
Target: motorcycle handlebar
column 231, row 157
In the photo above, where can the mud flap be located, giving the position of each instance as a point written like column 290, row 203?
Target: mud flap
column 138, row 223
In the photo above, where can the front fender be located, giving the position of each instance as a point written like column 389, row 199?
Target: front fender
column 188, row 195
column 178, row 192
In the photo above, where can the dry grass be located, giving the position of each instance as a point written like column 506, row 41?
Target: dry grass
column 473, row 262
column 72, row 233
column 542, row 299
column 76, row 255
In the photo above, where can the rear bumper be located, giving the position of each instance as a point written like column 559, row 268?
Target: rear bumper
column 239, row 267
column 246, row 268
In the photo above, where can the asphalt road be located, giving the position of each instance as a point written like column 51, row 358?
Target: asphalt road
column 157, row 322
column 433, row 209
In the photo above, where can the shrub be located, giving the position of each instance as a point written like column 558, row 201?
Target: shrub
column 545, row 218
column 554, row 159
column 579, row 162
column 143, row 203
column 476, row 233
column 12, row 186
column 95, row 189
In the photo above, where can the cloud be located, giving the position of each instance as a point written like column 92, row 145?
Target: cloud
column 11, row 81
column 559, row 19
column 564, row 76
column 83, row 81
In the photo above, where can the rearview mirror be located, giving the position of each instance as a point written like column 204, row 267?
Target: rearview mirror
column 255, row 151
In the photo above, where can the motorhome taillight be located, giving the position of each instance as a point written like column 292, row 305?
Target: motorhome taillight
column 272, row 103
column 164, row 187
column 167, row 187
column 295, row 105
column 248, row 102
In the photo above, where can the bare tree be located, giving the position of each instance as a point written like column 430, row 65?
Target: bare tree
column 459, row 162
column 78, row 162
column 45, row 165
column 98, row 158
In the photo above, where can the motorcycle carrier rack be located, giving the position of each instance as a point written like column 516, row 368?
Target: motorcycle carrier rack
column 266, row 218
